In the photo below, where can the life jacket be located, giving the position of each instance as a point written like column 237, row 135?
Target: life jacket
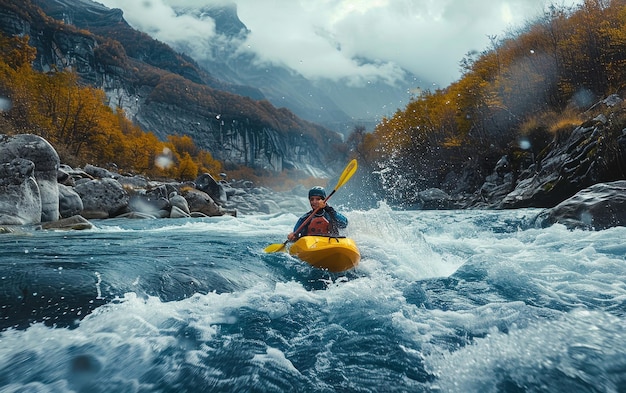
column 319, row 225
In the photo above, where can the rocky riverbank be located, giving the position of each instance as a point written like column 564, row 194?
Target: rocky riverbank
column 37, row 189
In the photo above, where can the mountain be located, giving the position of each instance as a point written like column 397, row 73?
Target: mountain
column 166, row 92
column 337, row 105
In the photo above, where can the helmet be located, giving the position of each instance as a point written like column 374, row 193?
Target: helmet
column 317, row 191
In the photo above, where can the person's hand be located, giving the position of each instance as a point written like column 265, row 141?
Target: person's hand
column 291, row 237
column 321, row 204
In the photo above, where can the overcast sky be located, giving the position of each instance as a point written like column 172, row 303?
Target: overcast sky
column 322, row 38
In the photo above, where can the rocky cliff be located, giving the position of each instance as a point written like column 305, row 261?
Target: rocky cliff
column 165, row 92
column 594, row 152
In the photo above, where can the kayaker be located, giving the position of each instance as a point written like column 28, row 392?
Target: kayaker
column 326, row 221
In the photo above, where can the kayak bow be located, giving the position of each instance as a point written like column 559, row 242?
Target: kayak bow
column 335, row 254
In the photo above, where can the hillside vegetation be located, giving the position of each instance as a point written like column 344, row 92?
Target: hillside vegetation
column 512, row 99
column 77, row 121
column 76, row 66
column 79, row 124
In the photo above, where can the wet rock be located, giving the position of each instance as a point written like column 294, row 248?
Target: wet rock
column 179, row 202
column 590, row 154
column 70, row 203
column 176, row 212
column 201, row 202
column 206, row 183
column 20, row 200
column 102, row 198
column 598, row 207
column 434, row 198
column 139, row 215
column 71, row 223
column 46, row 163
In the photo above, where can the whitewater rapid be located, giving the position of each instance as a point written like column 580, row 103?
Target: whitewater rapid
column 450, row 301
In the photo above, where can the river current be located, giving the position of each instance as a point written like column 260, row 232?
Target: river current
column 442, row 301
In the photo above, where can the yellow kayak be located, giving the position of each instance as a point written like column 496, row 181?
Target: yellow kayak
column 336, row 254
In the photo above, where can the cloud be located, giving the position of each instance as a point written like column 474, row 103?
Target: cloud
column 329, row 38
column 157, row 18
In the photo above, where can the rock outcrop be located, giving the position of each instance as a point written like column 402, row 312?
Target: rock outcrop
column 240, row 129
column 598, row 207
column 20, row 200
column 45, row 163
column 577, row 162
column 592, row 153
column 92, row 192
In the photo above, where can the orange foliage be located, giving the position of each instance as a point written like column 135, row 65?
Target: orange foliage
column 77, row 121
column 480, row 117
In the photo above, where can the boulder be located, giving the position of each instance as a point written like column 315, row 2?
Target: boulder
column 206, row 183
column 46, row 163
column 102, row 198
column 434, row 198
column 74, row 175
column 201, row 202
column 70, row 203
column 179, row 202
column 70, row 223
column 99, row 173
column 598, row 207
column 64, row 177
column 20, row 200
column 133, row 182
column 176, row 212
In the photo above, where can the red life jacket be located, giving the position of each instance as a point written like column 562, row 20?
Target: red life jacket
column 318, row 226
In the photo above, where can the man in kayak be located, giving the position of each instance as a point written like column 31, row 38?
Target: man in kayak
column 326, row 221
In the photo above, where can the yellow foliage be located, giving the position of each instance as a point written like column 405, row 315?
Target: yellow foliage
column 453, row 142
column 78, row 122
column 187, row 169
column 565, row 123
column 183, row 144
column 16, row 52
column 207, row 163
column 551, row 121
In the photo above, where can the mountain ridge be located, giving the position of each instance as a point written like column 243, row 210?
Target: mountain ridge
column 335, row 104
column 137, row 73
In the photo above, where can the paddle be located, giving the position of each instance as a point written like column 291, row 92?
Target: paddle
column 343, row 179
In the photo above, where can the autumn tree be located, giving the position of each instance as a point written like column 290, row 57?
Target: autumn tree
column 78, row 122
column 513, row 90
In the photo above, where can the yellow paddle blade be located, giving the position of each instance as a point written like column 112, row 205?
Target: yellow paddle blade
column 276, row 247
column 347, row 174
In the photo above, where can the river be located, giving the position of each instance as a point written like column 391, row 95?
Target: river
column 442, row 301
